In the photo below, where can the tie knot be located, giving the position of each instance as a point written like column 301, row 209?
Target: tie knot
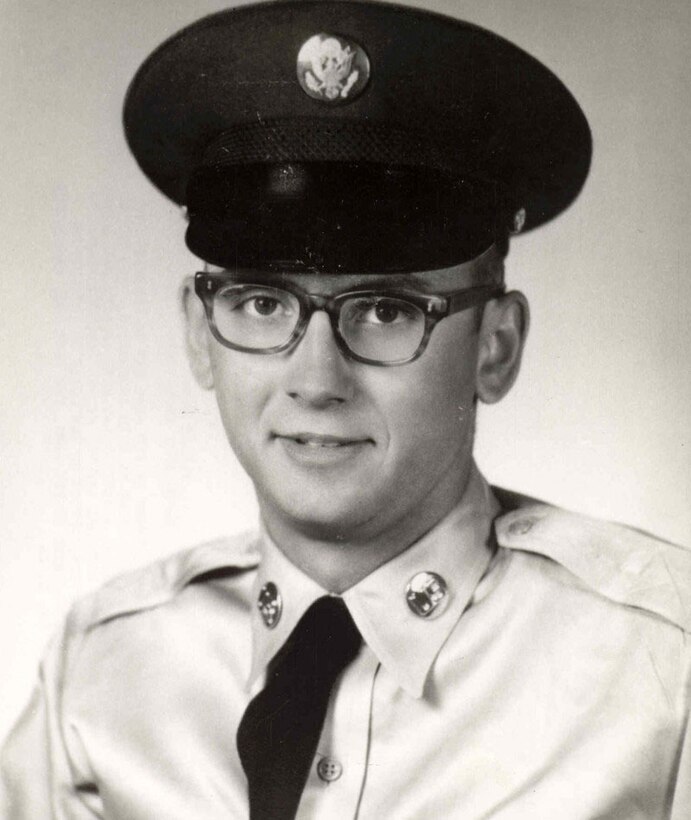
column 329, row 613
column 325, row 639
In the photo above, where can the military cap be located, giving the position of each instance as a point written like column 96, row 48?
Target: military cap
column 349, row 136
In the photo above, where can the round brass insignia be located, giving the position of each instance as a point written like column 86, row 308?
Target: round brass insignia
column 332, row 69
column 427, row 594
column 270, row 604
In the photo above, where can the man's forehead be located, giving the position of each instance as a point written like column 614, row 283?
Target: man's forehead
column 464, row 274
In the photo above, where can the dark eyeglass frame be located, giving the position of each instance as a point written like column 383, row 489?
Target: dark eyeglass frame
column 434, row 307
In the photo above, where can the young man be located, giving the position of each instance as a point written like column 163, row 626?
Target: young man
column 399, row 639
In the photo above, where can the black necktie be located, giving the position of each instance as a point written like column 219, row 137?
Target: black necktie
column 278, row 734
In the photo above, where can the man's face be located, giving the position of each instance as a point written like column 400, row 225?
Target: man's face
column 341, row 449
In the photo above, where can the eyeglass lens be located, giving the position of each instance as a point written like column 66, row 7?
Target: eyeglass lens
column 377, row 327
column 381, row 327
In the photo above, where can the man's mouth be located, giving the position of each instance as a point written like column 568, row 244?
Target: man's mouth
column 317, row 440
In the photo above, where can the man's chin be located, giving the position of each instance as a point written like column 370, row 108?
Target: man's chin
column 333, row 516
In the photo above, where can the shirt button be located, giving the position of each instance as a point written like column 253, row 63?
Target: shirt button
column 521, row 526
column 329, row 769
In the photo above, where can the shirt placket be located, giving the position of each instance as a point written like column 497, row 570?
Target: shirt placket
column 338, row 773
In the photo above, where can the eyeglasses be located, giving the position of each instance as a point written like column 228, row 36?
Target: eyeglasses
column 378, row 327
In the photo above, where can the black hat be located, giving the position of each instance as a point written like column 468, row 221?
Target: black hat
column 341, row 135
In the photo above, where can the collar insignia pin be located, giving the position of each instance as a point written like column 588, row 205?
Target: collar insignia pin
column 270, row 604
column 427, row 594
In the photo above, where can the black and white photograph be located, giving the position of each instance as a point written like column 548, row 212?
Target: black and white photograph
column 346, row 405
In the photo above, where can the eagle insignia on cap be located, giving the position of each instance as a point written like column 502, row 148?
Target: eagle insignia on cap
column 332, row 69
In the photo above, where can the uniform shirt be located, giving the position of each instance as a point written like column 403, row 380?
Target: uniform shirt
column 553, row 683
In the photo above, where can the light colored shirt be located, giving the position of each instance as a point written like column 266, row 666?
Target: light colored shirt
column 554, row 683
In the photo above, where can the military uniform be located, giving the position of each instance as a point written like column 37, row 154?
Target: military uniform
column 553, row 679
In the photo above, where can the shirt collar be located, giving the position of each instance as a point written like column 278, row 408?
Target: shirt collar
column 458, row 549
column 297, row 590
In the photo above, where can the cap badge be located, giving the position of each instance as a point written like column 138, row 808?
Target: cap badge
column 332, row 69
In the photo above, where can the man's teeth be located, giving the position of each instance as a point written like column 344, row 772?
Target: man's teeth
column 313, row 443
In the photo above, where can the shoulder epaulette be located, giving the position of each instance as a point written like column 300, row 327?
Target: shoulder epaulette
column 622, row 564
column 159, row 582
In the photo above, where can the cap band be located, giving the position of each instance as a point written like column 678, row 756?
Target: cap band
column 339, row 217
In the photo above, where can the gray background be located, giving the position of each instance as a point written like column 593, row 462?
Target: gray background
column 111, row 456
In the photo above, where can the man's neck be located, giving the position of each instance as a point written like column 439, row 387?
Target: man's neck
column 337, row 560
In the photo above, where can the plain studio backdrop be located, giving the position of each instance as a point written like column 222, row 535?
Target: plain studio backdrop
column 111, row 456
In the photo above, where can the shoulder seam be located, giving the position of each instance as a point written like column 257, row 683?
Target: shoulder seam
column 621, row 564
column 156, row 583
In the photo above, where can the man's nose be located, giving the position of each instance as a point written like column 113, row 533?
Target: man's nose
column 318, row 374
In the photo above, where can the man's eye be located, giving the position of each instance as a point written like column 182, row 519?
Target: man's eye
column 384, row 311
column 258, row 303
column 262, row 305
column 387, row 312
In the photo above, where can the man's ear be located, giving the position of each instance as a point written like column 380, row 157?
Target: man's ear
column 196, row 335
column 502, row 335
